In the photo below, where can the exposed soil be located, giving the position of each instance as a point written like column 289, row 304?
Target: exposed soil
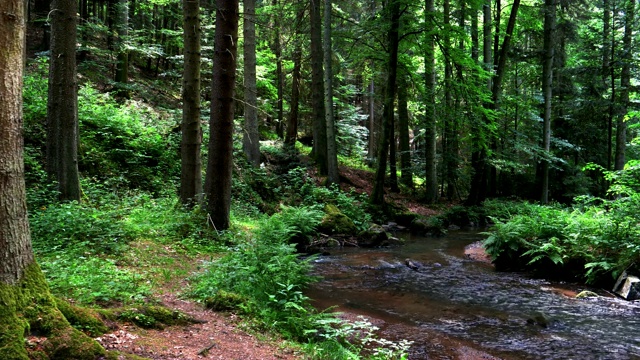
column 215, row 336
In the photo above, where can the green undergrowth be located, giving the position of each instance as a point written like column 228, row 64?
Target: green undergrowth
column 263, row 279
column 593, row 240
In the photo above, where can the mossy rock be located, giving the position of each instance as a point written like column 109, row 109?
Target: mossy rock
column 224, row 301
column 375, row 235
column 586, row 294
column 433, row 225
column 148, row 316
column 335, row 222
column 406, row 218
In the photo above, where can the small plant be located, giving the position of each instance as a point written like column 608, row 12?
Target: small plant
column 354, row 340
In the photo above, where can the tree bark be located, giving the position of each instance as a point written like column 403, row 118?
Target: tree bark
column 625, row 83
column 191, row 166
column 220, row 161
column 62, row 103
column 277, row 50
column 15, row 244
column 317, row 91
column 122, row 29
column 377, row 194
column 292, row 124
column 26, row 302
column 333, row 176
column 431, row 177
column 547, row 83
column 251, row 140
column 406, row 176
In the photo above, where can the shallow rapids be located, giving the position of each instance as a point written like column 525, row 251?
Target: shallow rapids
column 508, row 315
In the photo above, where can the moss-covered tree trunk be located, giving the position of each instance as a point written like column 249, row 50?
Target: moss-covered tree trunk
column 26, row 304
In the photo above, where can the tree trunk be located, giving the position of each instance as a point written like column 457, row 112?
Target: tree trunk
column 625, row 83
column 191, row 166
column 431, row 177
column 317, row 91
column 220, row 161
column 26, row 301
column 251, row 139
column 333, row 176
column 371, row 151
column 448, row 151
column 62, row 103
column 377, row 194
column 403, row 133
column 292, row 125
column 547, row 82
column 277, row 50
column 122, row 30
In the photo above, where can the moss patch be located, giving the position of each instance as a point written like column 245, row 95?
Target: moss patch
column 147, row 316
column 83, row 319
column 28, row 308
column 335, row 222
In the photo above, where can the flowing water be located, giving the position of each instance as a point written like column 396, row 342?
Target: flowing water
column 508, row 315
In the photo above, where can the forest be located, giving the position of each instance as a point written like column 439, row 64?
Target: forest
column 168, row 167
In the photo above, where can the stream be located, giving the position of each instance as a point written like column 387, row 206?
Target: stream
column 452, row 301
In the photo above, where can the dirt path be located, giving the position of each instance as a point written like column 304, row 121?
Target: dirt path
column 215, row 336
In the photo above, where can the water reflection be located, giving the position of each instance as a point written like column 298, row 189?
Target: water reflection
column 468, row 300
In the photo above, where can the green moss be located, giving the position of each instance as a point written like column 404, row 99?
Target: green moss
column 148, row 316
column 335, row 222
column 28, row 308
column 224, row 301
column 83, row 319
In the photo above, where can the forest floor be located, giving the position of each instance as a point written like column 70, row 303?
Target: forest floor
column 225, row 336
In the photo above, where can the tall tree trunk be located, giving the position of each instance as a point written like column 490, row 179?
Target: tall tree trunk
column 393, row 156
column 448, row 153
column 15, row 242
column 333, row 176
column 403, row 133
column 292, row 124
column 371, row 151
column 625, row 83
column 62, row 103
column 547, row 83
column 478, row 191
column 251, row 140
column 220, row 161
column 191, row 165
column 317, row 91
column 377, row 194
column 277, row 50
column 24, row 294
column 608, row 49
column 431, row 177
column 122, row 30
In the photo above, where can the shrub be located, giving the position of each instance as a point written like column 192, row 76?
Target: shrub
column 266, row 271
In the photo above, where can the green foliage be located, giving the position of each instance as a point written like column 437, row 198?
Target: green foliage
column 298, row 189
column 341, row 339
column 89, row 279
column 266, row 271
column 71, row 225
column 125, row 145
column 592, row 240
